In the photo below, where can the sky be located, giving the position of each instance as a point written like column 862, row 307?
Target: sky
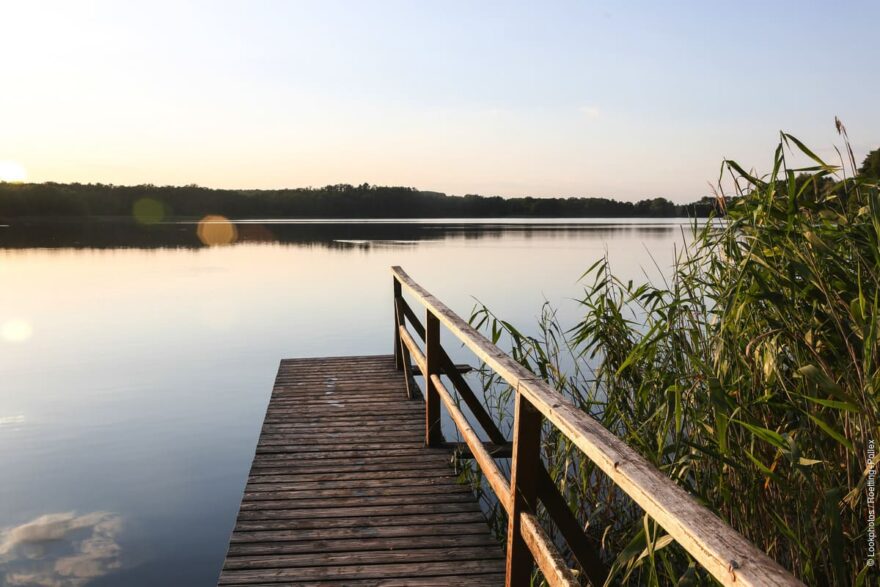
column 558, row 98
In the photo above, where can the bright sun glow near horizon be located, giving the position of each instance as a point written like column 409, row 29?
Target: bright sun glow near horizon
column 12, row 171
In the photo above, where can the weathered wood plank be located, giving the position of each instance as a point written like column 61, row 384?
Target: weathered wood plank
column 298, row 503
column 523, row 490
column 352, row 477
column 552, row 565
column 454, row 372
column 412, row 521
column 353, row 489
column 372, row 557
column 342, row 490
column 496, row 480
column 358, row 571
column 300, row 542
column 354, row 511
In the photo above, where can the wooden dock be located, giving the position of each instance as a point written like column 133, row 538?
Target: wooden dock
column 343, row 491
column 351, row 482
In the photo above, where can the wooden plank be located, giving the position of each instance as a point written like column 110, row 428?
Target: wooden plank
column 346, row 572
column 481, row 580
column 585, row 551
column 523, row 490
column 354, row 477
column 504, row 451
column 402, row 356
column 433, row 433
column 356, row 511
column 343, row 491
column 352, row 486
column 414, row 522
column 339, row 450
column 723, row 552
column 378, row 555
column 417, row 355
column 553, row 567
column 286, row 502
column 454, row 372
column 398, row 321
column 456, row 368
column 275, row 543
column 346, row 466
column 496, row 480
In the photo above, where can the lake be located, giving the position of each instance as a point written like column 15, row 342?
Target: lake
column 137, row 363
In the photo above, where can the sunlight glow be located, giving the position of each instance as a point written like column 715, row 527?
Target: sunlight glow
column 16, row 331
column 12, row 171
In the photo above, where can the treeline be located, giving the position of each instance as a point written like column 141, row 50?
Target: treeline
column 44, row 200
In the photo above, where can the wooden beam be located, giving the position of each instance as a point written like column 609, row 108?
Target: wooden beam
column 473, row 403
column 523, row 488
column 433, row 432
column 417, row 356
column 723, row 552
column 496, row 451
column 584, row 550
column 398, row 320
column 494, row 477
column 401, row 356
column 461, row 385
column 551, row 563
column 459, row 367
column 413, row 319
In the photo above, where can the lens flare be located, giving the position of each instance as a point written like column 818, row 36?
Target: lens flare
column 16, row 330
column 216, row 230
column 12, row 171
column 148, row 211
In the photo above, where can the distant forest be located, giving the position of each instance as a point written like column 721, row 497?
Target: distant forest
column 151, row 203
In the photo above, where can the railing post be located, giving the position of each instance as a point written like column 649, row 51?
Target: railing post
column 523, row 488
column 433, row 434
column 398, row 320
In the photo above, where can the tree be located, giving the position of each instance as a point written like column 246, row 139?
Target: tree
column 871, row 165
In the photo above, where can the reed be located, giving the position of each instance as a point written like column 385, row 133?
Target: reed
column 750, row 376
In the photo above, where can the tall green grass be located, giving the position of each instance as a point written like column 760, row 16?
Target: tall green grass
column 750, row 377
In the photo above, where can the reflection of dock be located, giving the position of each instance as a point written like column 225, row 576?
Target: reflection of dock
column 351, row 483
column 343, row 489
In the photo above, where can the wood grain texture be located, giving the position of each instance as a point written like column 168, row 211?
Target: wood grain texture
column 552, row 565
column 342, row 490
column 493, row 475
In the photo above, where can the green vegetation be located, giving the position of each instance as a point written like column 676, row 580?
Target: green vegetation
column 751, row 378
column 150, row 204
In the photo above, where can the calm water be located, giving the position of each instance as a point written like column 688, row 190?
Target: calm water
column 137, row 364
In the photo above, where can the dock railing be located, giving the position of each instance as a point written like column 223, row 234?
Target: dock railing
column 724, row 553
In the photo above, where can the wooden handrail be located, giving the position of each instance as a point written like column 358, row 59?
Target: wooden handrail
column 454, row 374
column 583, row 550
column 548, row 560
column 723, row 552
column 493, row 474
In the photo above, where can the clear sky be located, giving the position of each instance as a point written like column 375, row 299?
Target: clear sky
column 618, row 99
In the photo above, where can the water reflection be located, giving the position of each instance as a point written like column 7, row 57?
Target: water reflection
column 215, row 230
column 142, row 386
column 60, row 550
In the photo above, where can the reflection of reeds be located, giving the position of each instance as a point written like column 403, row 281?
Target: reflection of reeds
column 750, row 377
